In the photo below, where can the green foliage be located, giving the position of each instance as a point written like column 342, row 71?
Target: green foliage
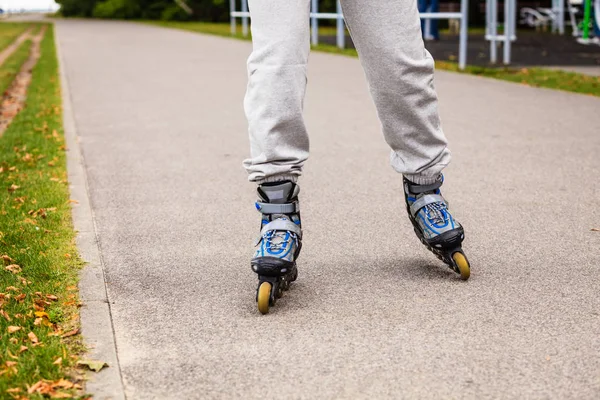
column 117, row 9
column 203, row 10
column 77, row 8
column 173, row 13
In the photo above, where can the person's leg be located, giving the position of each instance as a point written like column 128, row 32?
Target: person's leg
column 435, row 7
column 278, row 137
column 276, row 87
column 422, row 7
column 400, row 74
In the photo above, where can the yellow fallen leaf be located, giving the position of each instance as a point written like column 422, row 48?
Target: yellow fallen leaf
column 93, row 364
column 13, row 329
column 60, row 395
column 41, row 314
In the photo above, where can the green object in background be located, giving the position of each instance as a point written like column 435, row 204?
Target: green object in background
column 587, row 13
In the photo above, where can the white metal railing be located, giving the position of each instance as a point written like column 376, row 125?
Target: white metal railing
column 509, row 35
column 315, row 16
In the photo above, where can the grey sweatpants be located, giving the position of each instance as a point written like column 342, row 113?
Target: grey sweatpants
column 387, row 35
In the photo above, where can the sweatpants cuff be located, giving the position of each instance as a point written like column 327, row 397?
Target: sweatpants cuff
column 422, row 179
column 278, row 178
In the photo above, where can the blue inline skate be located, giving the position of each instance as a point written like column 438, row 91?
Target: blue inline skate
column 435, row 226
column 279, row 243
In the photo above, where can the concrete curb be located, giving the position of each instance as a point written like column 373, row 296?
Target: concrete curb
column 96, row 320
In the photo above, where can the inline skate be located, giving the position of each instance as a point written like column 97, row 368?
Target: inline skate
column 280, row 241
column 435, row 226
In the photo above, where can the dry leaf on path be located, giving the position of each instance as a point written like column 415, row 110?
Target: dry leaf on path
column 93, row 365
column 595, row 230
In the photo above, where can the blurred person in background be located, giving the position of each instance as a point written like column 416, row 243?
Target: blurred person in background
column 432, row 6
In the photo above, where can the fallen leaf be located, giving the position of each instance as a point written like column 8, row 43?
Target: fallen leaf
column 23, row 348
column 32, row 337
column 36, row 386
column 13, row 329
column 71, row 333
column 595, row 230
column 10, row 363
column 63, row 383
column 73, row 201
column 20, row 297
column 58, row 361
column 60, row 395
column 7, row 259
column 5, row 315
column 41, row 314
column 14, row 268
column 51, row 297
column 92, row 364
column 13, row 390
column 38, row 321
column 12, row 188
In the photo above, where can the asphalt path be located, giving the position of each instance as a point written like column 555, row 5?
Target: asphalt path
column 373, row 314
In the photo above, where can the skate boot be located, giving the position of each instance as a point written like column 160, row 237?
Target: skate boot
column 279, row 243
column 434, row 225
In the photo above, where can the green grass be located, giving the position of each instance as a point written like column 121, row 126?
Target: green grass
column 38, row 273
column 12, row 65
column 9, row 31
column 537, row 77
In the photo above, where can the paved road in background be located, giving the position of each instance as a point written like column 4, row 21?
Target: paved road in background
column 373, row 314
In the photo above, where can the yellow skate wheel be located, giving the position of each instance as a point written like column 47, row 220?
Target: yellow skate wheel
column 264, row 297
column 463, row 265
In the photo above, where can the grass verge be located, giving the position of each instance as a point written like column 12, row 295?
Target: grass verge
column 9, row 31
column 12, row 65
column 39, row 317
column 536, row 77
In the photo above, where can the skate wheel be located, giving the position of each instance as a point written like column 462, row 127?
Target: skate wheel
column 263, row 298
column 464, row 269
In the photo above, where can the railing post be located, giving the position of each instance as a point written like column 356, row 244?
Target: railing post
column 341, row 33
column 231, row 17
column 507, row 30
column 245, row 18
column 464, row 33
column 493, row 31
column 314, row 22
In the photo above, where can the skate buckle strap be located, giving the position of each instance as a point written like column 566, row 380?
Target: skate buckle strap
column 271, row 208
column 281, row 224
column 425, row 200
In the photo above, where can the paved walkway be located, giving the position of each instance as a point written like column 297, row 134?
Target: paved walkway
column 373, row 314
